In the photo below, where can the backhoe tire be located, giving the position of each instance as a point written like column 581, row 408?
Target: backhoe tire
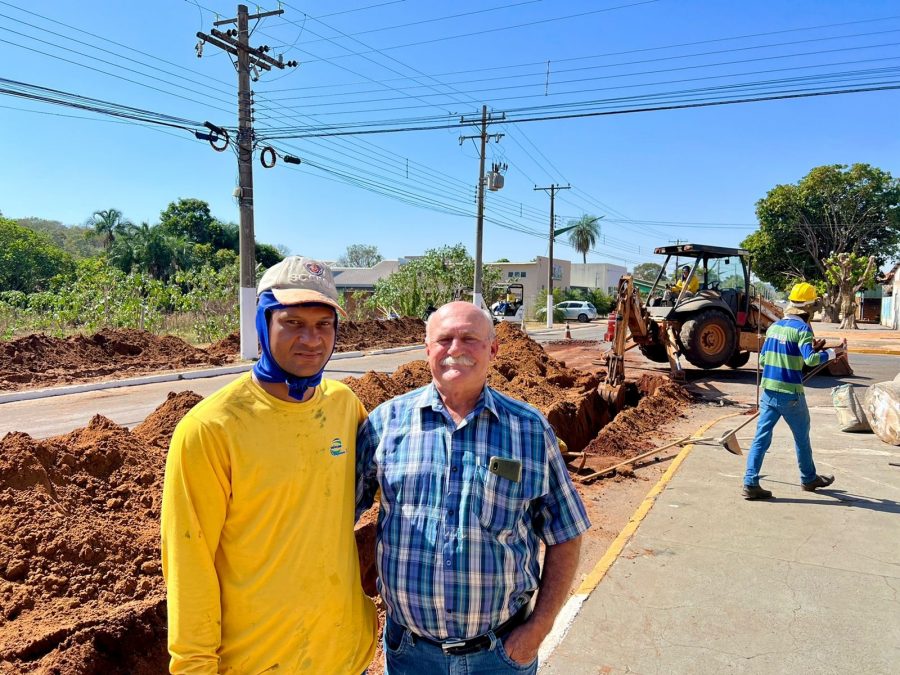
column 709, row 338
column 738, row 360
column 655, row 353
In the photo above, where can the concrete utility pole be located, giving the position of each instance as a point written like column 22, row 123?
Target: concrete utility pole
column 237, row 43
column 552, row 189
column 477, row 298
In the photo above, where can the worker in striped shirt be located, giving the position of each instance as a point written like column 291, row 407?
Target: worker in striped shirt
column 471, row 482
column 790, row 344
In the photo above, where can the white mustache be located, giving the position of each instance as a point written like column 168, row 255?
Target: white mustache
column 458, row 361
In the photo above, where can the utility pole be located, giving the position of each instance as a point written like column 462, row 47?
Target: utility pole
column 552, row 189
column 677, row 242
column 477, row 298
column 237, row 43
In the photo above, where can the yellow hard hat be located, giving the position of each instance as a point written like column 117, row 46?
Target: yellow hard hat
column 803, row 293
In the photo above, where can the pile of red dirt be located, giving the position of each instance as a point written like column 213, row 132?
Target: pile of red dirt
column 81, row 589
column 354, row 336
column 568, row 398
column 42, row 361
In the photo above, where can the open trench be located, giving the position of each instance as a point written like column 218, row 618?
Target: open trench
column 81, row 589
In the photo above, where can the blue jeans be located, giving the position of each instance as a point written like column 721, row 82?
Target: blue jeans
column 404, row 654
column 792, row 407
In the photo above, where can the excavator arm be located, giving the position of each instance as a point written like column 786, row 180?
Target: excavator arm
column 631, row 324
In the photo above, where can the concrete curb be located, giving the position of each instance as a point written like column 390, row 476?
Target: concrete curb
column 570, row 610
column 172, row 376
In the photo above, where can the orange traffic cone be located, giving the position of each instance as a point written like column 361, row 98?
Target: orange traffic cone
column 568, row 332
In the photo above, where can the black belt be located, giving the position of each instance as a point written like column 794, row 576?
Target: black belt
column 476, row 644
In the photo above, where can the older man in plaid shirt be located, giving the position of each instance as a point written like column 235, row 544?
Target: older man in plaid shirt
column 471, row 481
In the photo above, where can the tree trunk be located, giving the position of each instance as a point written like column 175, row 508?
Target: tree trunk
column 848, row 309
column 848, row 285
column 831, row 310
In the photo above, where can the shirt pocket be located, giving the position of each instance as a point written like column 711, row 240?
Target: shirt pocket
column 498, row 503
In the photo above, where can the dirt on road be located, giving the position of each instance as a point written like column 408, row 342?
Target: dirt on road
column 81, row 589
column 37, row 361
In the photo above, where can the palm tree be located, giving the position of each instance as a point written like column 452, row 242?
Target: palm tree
column 108, row 224
column 583, row 234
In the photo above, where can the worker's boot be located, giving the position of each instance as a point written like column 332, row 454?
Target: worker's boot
column 820, row 481
column 756, row 492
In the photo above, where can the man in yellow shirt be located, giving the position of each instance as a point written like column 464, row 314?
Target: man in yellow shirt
column 692, row 285
column 258, row 549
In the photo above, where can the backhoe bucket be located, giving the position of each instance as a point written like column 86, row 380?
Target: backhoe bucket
column 612, row 394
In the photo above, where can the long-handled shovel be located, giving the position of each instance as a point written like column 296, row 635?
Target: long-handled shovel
column 632, row 460
column 729, row 440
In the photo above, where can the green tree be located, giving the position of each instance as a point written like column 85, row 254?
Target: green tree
column 441, row 275
column 190, row 219
column 268, row 255
column 647, row 271
column 79, row 241
column 108, row 224
column 833, row 209
column 29, row 260
column 849, row 273
column 584, row 233
column 360, row 255
column 151, row 250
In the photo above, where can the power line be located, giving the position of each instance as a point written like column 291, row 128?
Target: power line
column 616, row 53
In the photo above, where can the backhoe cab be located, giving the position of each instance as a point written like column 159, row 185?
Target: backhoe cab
column 700, row 307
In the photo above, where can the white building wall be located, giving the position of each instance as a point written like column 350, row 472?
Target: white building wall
column 604, row 276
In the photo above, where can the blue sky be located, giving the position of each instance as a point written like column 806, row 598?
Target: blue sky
column 691, row 174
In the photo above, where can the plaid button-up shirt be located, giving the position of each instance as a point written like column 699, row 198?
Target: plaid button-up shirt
column 458, row 545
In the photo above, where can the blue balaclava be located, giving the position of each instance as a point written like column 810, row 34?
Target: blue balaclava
column 266, row 369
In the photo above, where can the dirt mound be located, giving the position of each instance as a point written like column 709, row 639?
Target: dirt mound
column 43, row 361
column 628, row 433
column 158, row 427
column 81, row 589
column 523, row 370
column 378, row 334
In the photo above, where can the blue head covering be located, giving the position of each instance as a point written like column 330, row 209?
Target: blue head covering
column 267, row 369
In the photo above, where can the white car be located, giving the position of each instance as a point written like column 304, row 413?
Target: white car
column 579, row 310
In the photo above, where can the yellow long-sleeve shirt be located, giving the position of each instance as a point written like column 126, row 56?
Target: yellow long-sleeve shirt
column 258, row 550
column 692, row 286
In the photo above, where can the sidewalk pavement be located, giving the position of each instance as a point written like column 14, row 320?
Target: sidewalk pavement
column 808, row 582
column 868, row 339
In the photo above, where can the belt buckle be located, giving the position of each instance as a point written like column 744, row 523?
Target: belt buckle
column 446, row 647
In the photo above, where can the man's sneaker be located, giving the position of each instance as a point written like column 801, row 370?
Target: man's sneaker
column 756, row 492
column 820, row 481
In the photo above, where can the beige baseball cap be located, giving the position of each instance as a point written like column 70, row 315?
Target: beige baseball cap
column 297, row 280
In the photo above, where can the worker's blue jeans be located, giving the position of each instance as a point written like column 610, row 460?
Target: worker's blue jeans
column 792, row 407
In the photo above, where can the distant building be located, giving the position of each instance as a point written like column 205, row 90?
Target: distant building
column 604, row 276
column 357, row 283
column 890, row 299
